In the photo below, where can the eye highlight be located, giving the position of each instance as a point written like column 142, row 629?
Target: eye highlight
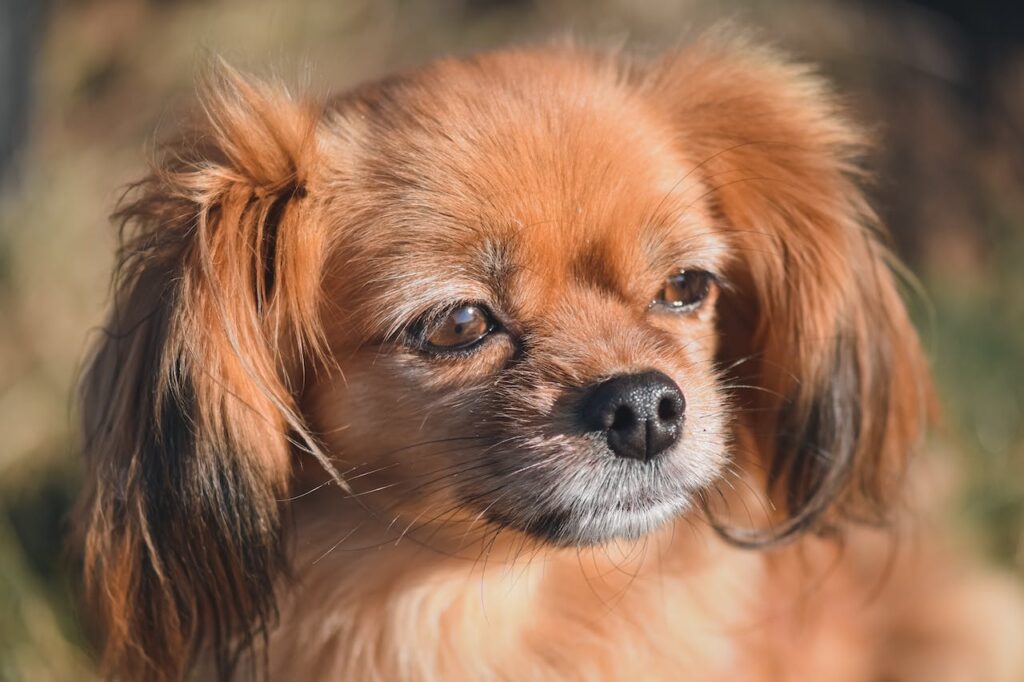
column 460, row 328
column 685, row 290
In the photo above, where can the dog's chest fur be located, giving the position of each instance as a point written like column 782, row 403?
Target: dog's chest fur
column 679, row 606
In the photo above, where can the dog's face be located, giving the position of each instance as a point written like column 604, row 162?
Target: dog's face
column 548, row 292
column 526, row 330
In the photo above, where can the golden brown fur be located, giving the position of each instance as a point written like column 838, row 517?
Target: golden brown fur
column 281, row 481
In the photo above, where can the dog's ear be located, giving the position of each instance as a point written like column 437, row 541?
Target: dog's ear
column 188, row 402
column 814, row 324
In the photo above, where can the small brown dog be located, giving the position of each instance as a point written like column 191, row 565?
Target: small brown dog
column 553, row 322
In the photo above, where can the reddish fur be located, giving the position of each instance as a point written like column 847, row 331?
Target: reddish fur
column 273, row 261
column 784, row 165
column 194, row 331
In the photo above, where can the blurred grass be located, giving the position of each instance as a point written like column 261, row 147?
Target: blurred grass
column 978, row 351
column 114, row 73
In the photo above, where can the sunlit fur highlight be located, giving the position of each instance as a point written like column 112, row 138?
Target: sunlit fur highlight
column 278, row 484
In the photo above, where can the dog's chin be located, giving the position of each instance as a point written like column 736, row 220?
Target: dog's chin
column 588, row 525
column 587, row 496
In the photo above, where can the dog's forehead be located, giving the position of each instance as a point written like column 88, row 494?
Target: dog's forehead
column 554, row 177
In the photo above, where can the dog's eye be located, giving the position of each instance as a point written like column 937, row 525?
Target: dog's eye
column 459, row 329
column 685, row 290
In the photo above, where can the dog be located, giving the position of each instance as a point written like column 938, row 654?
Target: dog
column 547, row 363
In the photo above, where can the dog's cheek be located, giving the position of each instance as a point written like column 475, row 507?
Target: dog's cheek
column 705, row 441
column 706, row 430
column 362, row 412
column 394, row 416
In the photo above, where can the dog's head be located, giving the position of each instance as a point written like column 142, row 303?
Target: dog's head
column 547, row 291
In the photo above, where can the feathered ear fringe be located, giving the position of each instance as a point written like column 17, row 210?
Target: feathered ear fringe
column 188, row 401
column 816, row 324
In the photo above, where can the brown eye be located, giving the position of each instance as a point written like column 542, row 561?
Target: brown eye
column 460, row 328
column 685, row 290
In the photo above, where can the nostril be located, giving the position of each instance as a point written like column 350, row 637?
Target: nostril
column 623, row 418
column 668, row 409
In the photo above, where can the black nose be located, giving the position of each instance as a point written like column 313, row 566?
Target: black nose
column 642, row 414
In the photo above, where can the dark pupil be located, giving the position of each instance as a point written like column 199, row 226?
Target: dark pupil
column 464, row 321
column 686, row 288
column 462, row 326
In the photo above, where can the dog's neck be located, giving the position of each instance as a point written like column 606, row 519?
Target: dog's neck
column 416, row 607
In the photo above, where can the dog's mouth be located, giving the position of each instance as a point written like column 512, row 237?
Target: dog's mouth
column 591, row 523
column 574, row 492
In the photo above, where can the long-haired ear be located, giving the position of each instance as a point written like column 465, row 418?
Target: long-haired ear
column 815, row 325
column 188, row 402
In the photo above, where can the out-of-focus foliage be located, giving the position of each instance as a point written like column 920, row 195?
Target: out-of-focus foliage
column 111, row 75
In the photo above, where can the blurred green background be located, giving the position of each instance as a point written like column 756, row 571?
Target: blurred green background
column 90, row 85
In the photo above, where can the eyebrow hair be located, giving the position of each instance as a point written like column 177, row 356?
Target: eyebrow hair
column 666, row 247
column 496, row 262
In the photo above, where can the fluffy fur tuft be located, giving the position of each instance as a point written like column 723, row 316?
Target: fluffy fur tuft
column 189, row 399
